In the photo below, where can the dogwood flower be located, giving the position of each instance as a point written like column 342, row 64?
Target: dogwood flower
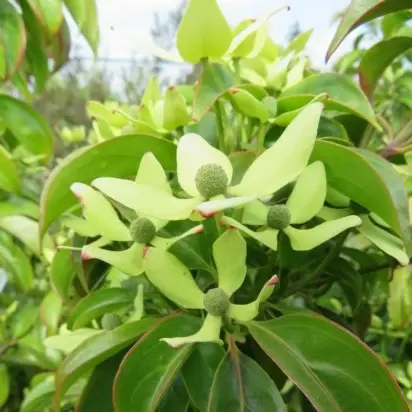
column 304, row 203
column 373, row 227
column 102, row 219
column 175, row 281
column 205, row 174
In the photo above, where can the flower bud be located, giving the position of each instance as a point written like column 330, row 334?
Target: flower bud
column 216, row 302
column 278, row 217
column 211, row 180
column 142, row 230
column 111, row 321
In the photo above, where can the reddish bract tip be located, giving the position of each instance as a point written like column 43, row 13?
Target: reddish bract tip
column 206, row 215
column 172, row 87
column 199, row 230
column 234, row 90
column 274, row 280
column 195, row 119
column 146, row 251
column 85, row 256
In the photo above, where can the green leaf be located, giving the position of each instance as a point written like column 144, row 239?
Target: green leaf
column 399, row 298
column 84, row 13
column 376, row 59
column 298, row 44
column 368, row 180
column 9, row 178
column 49, row 13
column 343, row 95
column 362, row 11
column 96, row 350
column 327, row 363
column 17, row 261
column 176, row 113
column 199, row 370
column 176, row 398
column 26, row 230
column 97, row 304
column 27, row 126
column 331, row 128
column 4, row 384
column 12, row 41
column 62, row 272
column 117, row 157
column 151, row 357
column 245, row 103
column 97, row 395
column 216, row 79
column 50, row 311
column 241, row 384
column 203, row 31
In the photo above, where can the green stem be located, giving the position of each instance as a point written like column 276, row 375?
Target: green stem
column 236, row 65
column 263, row 129
column 220, row 126
column 333, row 253
column 367, row 136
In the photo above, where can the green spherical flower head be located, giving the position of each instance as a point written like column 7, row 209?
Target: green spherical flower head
column 358, row 209
column 111, row 321
column 211, row 180
column 142, row 230
column 278, row 217
column 216, row 302
column 271, row 105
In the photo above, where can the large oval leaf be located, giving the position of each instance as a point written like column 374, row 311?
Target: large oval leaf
column 240, row 384
column 62, row 272
column 343, row 95
column 84, row 13
column 9, row 178
column 361, row 11
column 367, row 179
column 49, row 13
column 96, row 350
column 97, row 304
column 335, row 370
column 199, row 371
column 378, row 58
column 133, row 391
column 27, row 126
column 12, row 40
column 118, row 157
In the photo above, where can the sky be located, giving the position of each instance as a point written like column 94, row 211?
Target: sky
column 124, row 22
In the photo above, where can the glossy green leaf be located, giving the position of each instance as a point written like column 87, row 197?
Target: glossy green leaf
column 376, row 59
column 97, row 395
column 327, row 363
column 23, row 319
column 95, row 350
column 26, row 230
column 27, row 126
column 176, row 398
column 368, row 180
column 17, row 261
column 118, row 157
column 12, row 40
column 343, row 95
column 241, row 384
column 216, row 79
column 151, row 357
column 331, row 128
column 245, row 103
column 199, row 370
column 4, row 384
column 50, row 311
column 62, row 272
column 203, row 31
column 49, row 13
column 362, row 11
column 9, row 178
column 84, row 13
column 97, row 304
column 398, row 304
column 298, row 44
column 176, row 113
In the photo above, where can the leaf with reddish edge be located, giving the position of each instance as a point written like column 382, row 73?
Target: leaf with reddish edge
column 96, row 350
column 154, row 359
column 327, row 363
column 378, row 58
column 241, row 384
column 362, row 11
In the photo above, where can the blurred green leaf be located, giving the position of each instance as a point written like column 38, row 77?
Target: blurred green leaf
column 49, row 13
column 9, row 178
column 50, row 311
column 327, row 363
column 362, row 11
column 62, row 272
column 4, row 384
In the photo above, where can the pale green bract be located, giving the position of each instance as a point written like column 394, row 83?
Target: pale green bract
column 102, row 219
column 272, row 170
column 304, row 203
column 175, row 281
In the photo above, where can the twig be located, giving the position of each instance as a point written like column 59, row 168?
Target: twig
column 379, row 266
